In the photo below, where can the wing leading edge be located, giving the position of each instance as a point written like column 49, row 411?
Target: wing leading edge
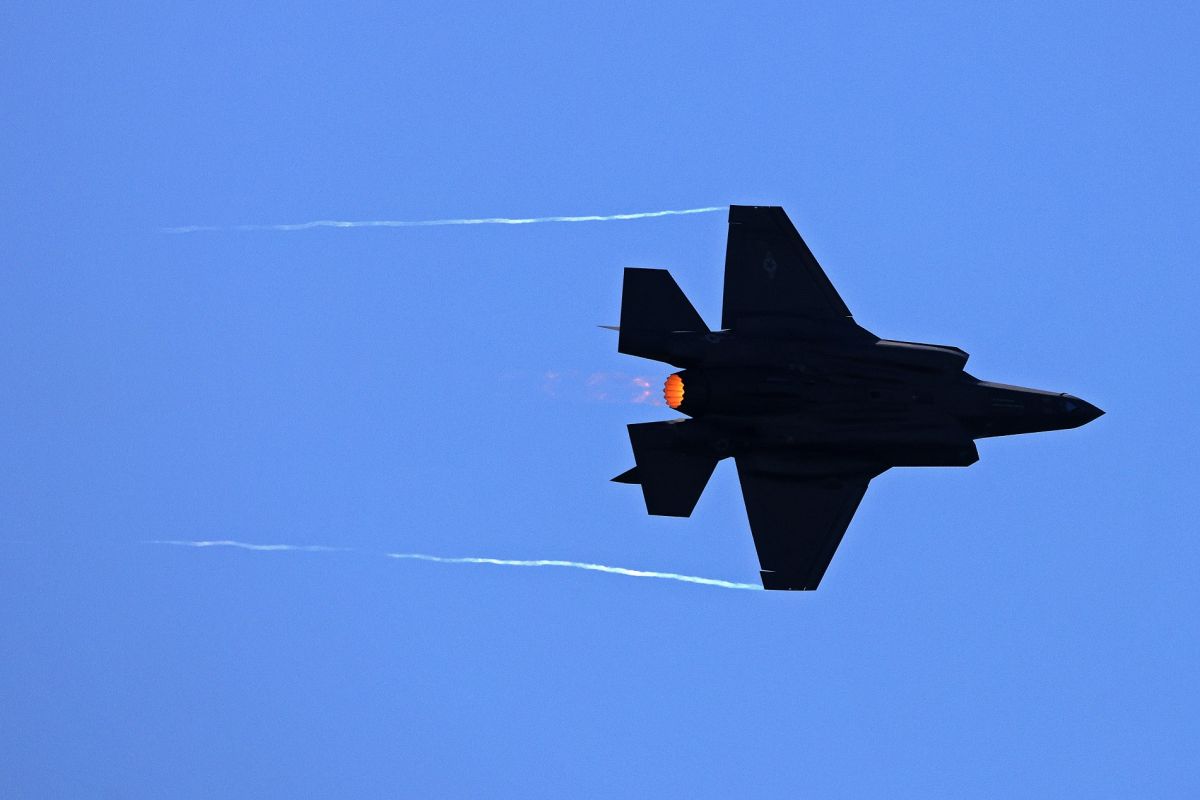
column 798, row 519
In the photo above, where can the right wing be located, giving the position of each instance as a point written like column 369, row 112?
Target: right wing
column 798, row 517
column 770, row 272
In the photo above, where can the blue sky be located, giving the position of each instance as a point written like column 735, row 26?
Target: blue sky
column 1016, row 180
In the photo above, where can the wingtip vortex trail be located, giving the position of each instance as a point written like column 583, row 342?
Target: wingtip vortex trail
column 633, row 573
column 504, row 562
column 298, row 548
column 425, row 223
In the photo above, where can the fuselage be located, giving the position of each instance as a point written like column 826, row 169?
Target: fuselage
column 858, row 398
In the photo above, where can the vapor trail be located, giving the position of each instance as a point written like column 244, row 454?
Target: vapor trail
column 425, row 223
column 633, row 573
column 306, row 548
column 316, row 548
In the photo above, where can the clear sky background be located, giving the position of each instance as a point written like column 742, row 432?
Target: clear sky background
column 1016, row 180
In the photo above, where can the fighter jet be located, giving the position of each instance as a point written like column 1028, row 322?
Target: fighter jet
column 809, row 404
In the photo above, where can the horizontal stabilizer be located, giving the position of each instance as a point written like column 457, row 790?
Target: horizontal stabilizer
column 652, row 301
column 672, row 479
column 653, row 308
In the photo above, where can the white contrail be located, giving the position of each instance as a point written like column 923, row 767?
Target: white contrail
column 633, row 573
column 306, row 548
column 316, row 548
column 425, row 223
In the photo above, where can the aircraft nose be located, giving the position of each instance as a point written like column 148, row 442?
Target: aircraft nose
column 1090, row 412
column 1081, row 410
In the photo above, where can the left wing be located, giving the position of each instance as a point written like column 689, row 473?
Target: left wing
column 770, row 272
column 798, row 516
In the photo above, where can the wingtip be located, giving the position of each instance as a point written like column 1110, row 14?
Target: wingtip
column 610, row 327
column 628, row 476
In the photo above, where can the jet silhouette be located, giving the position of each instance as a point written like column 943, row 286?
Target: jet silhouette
column 809, row 404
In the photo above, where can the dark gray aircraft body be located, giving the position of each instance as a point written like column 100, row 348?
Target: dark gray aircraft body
column 810, row 405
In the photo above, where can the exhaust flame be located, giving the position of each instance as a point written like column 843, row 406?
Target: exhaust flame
column 673, row 391
column 595, row 387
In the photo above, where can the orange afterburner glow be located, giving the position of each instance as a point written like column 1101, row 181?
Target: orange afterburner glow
column 673, row 391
